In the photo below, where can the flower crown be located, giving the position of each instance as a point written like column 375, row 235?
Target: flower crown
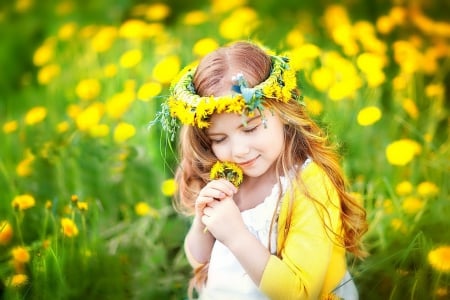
column 186, row 107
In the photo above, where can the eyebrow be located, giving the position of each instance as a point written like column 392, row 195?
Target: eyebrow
column 240, row 126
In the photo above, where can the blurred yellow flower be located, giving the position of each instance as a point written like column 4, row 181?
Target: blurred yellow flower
column 20, row 255
column 6, row 232
column 404, row 188
column 69, row 228
column 398, row 14
column 384, row 24
column 144, row 209
column 110, row 70
column 35, row 115
column 23, row 5
column 398, row 225
column 313, row 106
column 322, row 78
column 399, row 83
column 412, row 205
column 434, row 90
column 157, row 12
column 47, row 73
column 149, row 90
column 439, row 258
column 295, row 38
column 220, row 6
column 166, row 69
column 44, row 54
column 88, row 89
column 169, row 187
column 369, row 115
column 195, row 17
column 90, row 116
column 123, row 132
column 82, row 205
column 64, row 7
column 23, row 202
column 99, row 130
column 240, row 24
column 130, row 58
column 104, row 38
column 67, row 31
column 427, row 189
column 18, row 280
column 24, row 167
column 205, row 46
column 410, row 107
column 375, row 78
column 388, row 206
column 119, row 104
column 10, row 126
column 401, row 152
column 133, row 29
column 62, row 127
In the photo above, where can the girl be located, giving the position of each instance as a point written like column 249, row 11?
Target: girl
column 284, row 233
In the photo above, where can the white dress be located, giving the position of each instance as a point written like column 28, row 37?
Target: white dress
column 226, row 277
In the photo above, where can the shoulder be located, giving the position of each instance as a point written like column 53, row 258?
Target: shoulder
column 315, row 182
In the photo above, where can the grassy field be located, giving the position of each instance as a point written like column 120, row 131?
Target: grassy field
column 86, row 186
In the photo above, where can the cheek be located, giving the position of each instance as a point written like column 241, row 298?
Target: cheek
column 220, row 152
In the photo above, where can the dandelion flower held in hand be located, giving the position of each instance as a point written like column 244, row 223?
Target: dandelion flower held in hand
column 227, row 170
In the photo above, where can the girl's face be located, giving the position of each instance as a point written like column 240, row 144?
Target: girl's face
column 253, row 146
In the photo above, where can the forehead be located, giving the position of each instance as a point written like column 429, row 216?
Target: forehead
column 223, row 121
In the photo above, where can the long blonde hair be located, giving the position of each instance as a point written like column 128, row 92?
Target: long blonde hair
column 303, row 139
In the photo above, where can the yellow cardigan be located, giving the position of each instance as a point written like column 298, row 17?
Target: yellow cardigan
column 311, row 260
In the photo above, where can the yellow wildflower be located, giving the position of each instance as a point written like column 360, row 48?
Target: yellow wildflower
column 434, row 90
column 10, row 126
column 104, row 38
column 6, row 233
column 169, row 187
column 427, row 189
column 205, row 46
column 401, row 152
column 47, row 73
column 166, row 69
column 157, row 12
column 62, row 127
column 149, row 90
column 398, row 225
column 410, row 107
column 133, row 29
column 99, row 130
column 439, row 258
column 227, row 170
column 130, row 58
column 404, row 188
column 23, row 5
column 23, row 169
column 143, row 209
column 369, row 115
column 241, row 23
column 67, row 31
column 88, row 89
column 123, row 132
column 322, row 78
column 119, row 104
column 313, row 106
column 89, row 117
column 384, row 24
column 110, row 70
column 412, row 205
column 195, row 17
column 44, row 54
column 69, row 228
column 18, row 280
column 35, row 115
column 23, row 202
column 20, row 255
column 82, row 205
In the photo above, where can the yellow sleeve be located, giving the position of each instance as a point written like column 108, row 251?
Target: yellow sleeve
column 302, row 269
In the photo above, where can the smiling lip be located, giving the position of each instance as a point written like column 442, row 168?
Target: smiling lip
column 248, row 162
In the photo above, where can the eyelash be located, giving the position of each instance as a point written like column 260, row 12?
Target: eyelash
column 247, row 130
column 250, row 130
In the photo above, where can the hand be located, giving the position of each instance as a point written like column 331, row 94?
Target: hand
column 223, row 219
column 213, row 191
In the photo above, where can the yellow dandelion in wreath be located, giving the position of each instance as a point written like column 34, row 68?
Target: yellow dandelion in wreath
column 439, row 258
column 227, row 170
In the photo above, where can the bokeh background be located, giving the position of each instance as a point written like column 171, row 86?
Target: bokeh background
column 86, row 186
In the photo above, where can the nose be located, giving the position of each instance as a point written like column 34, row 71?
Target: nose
column 240, row 147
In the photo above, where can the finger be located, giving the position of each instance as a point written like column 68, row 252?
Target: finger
column 224, row 186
